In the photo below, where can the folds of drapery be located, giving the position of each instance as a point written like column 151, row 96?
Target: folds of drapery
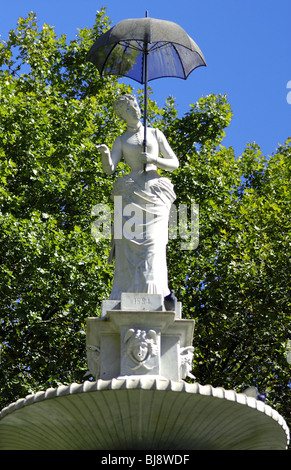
column 142, row 202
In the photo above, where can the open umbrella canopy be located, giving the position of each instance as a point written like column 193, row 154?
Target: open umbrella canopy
column 145, row 49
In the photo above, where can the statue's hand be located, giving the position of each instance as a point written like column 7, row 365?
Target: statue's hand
column 103, row 149
column 147, row 158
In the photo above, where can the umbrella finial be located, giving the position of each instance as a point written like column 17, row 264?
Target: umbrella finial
column 147, row 13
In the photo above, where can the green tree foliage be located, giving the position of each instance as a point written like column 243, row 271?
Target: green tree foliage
column 54, row 107
column 236, row 284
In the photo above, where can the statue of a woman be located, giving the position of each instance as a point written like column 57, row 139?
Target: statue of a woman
column 144, row 203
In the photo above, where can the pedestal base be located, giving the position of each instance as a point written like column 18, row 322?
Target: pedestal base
column 141, row 413
column 139, row 337
column 142, row 353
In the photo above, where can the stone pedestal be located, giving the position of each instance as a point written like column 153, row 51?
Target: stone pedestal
column 137, row 337
column 139, row 352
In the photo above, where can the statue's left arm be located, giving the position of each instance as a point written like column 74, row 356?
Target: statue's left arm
column 168, row 161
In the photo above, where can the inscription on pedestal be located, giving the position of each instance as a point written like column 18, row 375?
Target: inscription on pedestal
column 133, row 301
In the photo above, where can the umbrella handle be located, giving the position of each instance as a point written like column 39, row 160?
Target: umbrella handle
column 145, row 56
column 145, row 149
column 145, row 130
column 145, row 102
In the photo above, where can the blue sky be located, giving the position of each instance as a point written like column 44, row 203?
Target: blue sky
column 246, row 44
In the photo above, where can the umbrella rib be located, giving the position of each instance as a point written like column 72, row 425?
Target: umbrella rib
column 154, row 47
column 108, row 55
column 181, row 62
column 159, row 44
column 128, row 44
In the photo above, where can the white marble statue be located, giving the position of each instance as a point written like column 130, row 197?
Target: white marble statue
column 144, row 202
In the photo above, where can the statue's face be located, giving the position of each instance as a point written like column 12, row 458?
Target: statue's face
column 140, row 351
column 127, row 108
column 132, row 113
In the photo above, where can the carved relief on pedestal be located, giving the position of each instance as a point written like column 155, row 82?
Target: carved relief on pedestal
column 141, row 350
column 93, row 361
column 186, row 358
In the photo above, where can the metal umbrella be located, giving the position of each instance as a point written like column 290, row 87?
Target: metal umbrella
column 145, row 49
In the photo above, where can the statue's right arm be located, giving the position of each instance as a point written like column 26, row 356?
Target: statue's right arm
column 110, row 160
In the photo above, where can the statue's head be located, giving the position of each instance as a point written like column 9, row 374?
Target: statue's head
column 124, row 104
